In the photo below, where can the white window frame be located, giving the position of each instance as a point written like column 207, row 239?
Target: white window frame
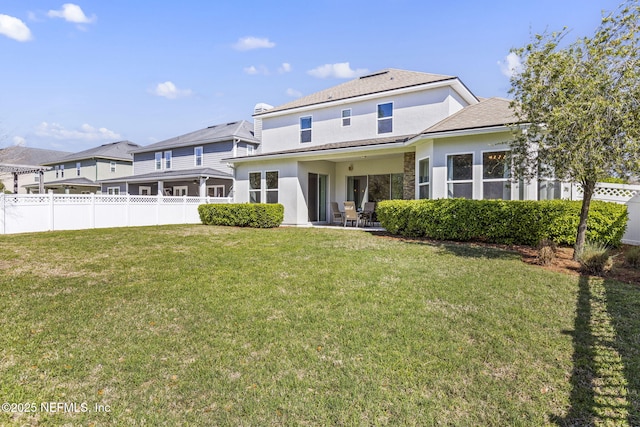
column 57, row 169
column 78, row 166
column 168, row 159
column 61, row 171
column 112, row 166
column 180, row 190
column 379, row 119
column 459, row 181
column 271, row 190
column 309, row 129
column 258, row 191
column 215, row 190
column 113, row 191
column 197, row 156
column 482, row 153
column 144, row 188
column 37, row 177
column 428, row 182
column 250, row 149
column 157, row 159
column 345, row 121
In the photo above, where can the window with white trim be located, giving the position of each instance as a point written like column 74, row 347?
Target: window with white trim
column 112, row 166
column 167, row 159
column 305, row 128
column 144, row 190
column 346, row 117
column 180, row 190
column 424, row 180
column 197, row 155
column 495, row 176
column 460, row 176
column 37, row 177
column 78, row 166
column 57, row 168
column 255, row 187
column 549, row 187
column 215, row 190
column 61, row 171
column 271, row 187
column 114, row 191
column 250, row 150
column 158, row 161
column 385, row 117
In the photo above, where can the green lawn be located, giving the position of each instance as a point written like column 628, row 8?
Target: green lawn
column 196, row 325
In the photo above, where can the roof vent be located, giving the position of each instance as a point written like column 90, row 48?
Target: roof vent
column 379, row 73
column 231, row 123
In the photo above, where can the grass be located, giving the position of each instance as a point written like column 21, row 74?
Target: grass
column 195, row 325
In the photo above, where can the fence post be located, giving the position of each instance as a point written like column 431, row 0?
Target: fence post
column 4, row 214
column 92, row 220
column 128, row 207
column 51, row 213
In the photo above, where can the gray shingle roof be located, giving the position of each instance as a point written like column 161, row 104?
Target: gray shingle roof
column 489, row 112
column 222, row 132
column 171, row 174
column 27, row 156
column 120, row 150
column 381, row 81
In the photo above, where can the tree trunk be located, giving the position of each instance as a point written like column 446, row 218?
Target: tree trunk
column 588, row 188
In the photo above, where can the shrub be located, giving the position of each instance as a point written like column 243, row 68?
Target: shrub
column 595, row 259
column 501, row 221
column 546, row 251
column 632, row 257
column 256, row 215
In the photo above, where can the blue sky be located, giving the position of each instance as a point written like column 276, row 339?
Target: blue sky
column 77, row 75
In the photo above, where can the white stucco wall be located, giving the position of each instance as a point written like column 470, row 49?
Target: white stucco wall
column 412, row 113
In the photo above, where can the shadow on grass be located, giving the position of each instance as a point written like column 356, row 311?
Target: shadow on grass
column 606, row 371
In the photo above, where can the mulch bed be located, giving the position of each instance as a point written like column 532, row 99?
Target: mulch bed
column 562, row 263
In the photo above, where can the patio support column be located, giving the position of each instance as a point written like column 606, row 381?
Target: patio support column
column 203, row 187
column 160, row 188
column 409, row 179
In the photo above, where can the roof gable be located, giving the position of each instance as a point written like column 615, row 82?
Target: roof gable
column 378, row 82
column 222, row 132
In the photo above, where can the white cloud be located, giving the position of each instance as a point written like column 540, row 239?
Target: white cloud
column 253, row 70
column 86, row 132
column 249, row 43
column 19, row 141
column 341, row 70
column 511, row 66
column 170, row 91
column 284, row 68
column 14, row 28
column 294, row 93
column 72, row 13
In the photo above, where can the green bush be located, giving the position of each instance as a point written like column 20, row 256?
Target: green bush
column 499, row 221
column 256, row 215
column 632, row 257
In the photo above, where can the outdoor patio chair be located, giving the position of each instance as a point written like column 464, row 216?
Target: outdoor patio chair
column 350, row 213
column 368, row 213
column 336, row 214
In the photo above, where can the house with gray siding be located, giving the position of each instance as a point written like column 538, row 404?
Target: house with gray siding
column 79, row 173
column 22, row 166
column 188, row 165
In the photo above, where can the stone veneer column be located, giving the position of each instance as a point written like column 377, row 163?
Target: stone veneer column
column 409, row 180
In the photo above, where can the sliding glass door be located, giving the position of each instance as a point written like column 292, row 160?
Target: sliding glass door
column 317, row 197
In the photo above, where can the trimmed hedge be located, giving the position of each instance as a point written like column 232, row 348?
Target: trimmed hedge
column 256, row 215
column 503, row 221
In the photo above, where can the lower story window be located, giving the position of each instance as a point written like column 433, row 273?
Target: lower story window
column 460, row 176
column 255, row 187
column 549, row 189
column 180, row 190
column 495, row 176
column 215, row 190
column 423, row 179
column 113, row 190
column 272, row 187
column 374, row 188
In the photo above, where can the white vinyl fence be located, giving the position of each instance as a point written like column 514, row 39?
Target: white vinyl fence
column 21, row 213
column 619, row 193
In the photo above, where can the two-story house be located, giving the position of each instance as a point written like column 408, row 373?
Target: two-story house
column 79, row 173
column 393, row 134
column 22, row 166
column 188, row 165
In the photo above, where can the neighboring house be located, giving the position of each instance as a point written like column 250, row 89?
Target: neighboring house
column 188, row 165
column 79, row 173
column 22, row 166
column 393, row 134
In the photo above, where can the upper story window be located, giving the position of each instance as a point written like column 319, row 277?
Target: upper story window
column 197, row 154
column 460, row 176
column 61, row 171
column 385, row 117
column 250, row 150
column 495, row 176
column 112, row 166
column 167, row 159
column 346, row 117
column 78, row 166
column 158, row 161
column 57, row 168
column 305, row 129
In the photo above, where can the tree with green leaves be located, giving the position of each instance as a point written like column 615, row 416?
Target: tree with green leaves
column 581, row 105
